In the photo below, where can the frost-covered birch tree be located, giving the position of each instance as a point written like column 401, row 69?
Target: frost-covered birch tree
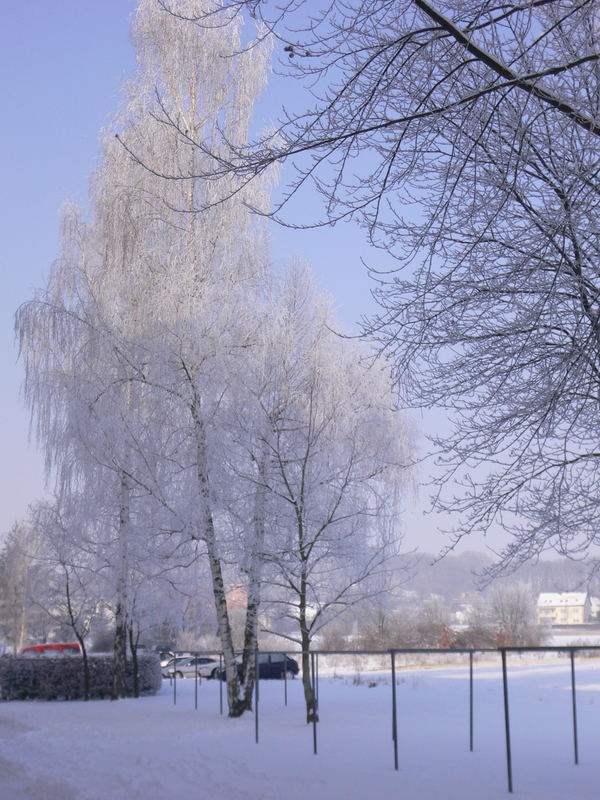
column 210, row 264
column 336, row 458
column 133, row 350
column 77, row 339
column 74, row 588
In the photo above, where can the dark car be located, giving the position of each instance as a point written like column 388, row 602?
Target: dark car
column 270, row 665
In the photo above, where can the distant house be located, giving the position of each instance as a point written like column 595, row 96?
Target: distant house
column 563, row 608
column 464, row 612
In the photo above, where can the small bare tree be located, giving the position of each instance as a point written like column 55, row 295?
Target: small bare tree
column 22, row 576
column 336, row 455
column 514, row 610
column 72, row 594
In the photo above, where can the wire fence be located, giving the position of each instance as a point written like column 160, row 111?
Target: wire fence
column 391, row 658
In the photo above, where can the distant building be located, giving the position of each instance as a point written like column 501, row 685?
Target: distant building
column 563, row 608
column 464, row 613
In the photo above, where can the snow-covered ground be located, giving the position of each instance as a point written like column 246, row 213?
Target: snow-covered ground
column 149, row 748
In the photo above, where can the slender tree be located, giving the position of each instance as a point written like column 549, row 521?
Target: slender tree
column 337, row 457
column 199, row 85
column 73, row 592
column 22, row 577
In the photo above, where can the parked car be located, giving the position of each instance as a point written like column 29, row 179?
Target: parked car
column 165, row 657
column 273, row 665
column 172, row 665
column 270, row 665
column 169, row 655
column 186, row 667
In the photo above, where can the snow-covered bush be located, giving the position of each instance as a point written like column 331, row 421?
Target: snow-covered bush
column 24, row 678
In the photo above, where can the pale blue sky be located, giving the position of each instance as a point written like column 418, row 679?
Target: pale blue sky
column 61, row 64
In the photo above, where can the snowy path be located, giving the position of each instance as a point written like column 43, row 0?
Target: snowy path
column 150, row 749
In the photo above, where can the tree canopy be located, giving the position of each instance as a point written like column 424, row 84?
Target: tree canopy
column 465, row 138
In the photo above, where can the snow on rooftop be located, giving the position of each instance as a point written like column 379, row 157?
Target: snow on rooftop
column 562, row 598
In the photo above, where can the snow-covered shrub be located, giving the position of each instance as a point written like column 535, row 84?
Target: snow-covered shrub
column 23, row 678
column 149, row 674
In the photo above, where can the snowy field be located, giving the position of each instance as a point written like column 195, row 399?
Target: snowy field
column 149, row 748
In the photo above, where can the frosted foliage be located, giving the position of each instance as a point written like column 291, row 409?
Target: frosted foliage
column 337, row 451
column 465, row 137
column 140, row 271
column 192, row 403
column 198, row 70
column 191, row 81
column 330, row 453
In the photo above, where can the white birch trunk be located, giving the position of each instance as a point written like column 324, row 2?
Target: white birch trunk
column 236, row 707
column 255, row 566
column 120, row 646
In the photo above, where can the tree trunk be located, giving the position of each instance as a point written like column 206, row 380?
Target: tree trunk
column 254, row 590
column 119, row 653
column 80, row 639
column 250, row 645
column 120, row 647
column 86, row 669
column 19, row 630
column 311, row 711
column 381, row 625
column 133, row 645
column 236, row 705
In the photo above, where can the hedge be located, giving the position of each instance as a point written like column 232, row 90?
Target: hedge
column 61, row 677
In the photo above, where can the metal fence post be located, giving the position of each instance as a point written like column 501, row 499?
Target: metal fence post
column 394, row 713
column 506, row 721
column 256, row 680
column 196, row 684
column 471, row 701
column 285, row 672
column 574, row 701
column 314, row 702
column 175, row 683
column 221, row 683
